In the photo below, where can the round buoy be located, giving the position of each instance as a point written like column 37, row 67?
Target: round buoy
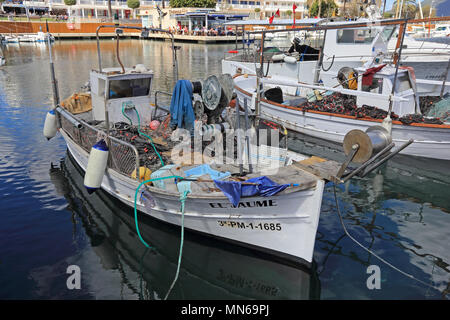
column 98, row 160
column 154, row 124
column 50, row 127
column 144, row 174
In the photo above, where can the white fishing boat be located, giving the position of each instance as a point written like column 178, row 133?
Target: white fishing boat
column 10, row 39
column 210, row 264
column 342, row 47
column 280, row 213
column 333, row 120
column 254, row 221
column 441, row 30
column 39, row 37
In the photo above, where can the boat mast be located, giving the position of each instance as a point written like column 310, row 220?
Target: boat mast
column 52, row 70
column 387, row 122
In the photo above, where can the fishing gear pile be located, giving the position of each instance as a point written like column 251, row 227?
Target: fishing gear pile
column 147, row 155
column 345, row 104
column 419, row 118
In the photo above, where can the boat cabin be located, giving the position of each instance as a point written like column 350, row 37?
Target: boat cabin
column 112, row 91
column 382, row 83
column 351, row 43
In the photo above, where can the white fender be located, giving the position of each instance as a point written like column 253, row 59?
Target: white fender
column 289, row 59
column 98, row 160
column 50, row 127
column 278, row 57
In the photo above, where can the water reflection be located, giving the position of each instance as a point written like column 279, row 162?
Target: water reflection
column 401, row 211
column 210, row 269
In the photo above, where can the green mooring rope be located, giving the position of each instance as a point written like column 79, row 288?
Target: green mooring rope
column 139, row 130
column 183, row 198
column 135, row 202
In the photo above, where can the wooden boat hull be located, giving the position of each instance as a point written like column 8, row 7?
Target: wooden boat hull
column 283, row 225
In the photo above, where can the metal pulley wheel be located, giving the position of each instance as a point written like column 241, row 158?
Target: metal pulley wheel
column 370, row 142
column 217, row 91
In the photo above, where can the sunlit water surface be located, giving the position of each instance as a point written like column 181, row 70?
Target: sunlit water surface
column 49, row 222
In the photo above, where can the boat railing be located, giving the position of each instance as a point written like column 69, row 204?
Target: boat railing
column 124, row 157
column 291, row 83
column 165, row 107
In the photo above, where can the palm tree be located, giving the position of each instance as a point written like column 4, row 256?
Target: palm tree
column 407, row 7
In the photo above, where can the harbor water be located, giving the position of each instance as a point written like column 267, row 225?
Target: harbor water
column 48, row 222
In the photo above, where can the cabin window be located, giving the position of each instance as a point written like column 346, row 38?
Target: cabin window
column 402, row 83
column 387, row 33
column 129, row 88
column 351, row 36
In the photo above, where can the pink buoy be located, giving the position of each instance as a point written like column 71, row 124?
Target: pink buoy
column 154, row 124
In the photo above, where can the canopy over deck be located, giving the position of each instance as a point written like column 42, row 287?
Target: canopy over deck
column 276, row 22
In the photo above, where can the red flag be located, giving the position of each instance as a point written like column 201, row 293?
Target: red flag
column 271, row 19
column 293, row 9
column 277, row 13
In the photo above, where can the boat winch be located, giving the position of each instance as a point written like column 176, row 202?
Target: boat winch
column 371, row 149
column 98, row 160
column 347, row 78
column 216, row 93
column 369, row 143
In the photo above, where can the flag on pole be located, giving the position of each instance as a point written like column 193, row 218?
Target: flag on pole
column 271, row 19
column 277, row 13
column 293, row 9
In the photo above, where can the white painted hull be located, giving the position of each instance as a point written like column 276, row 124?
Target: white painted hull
column 429, row 142
column 304, row 72
column 284, row 225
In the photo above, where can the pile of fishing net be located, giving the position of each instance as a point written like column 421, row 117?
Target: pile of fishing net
column 345, row 104
column 441, row 109
column 147, row 154
column 418, row 118
column 435, row 110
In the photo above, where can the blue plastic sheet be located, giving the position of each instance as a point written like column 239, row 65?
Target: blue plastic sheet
column 264, row 187
column 181, row 110
column 206, row 169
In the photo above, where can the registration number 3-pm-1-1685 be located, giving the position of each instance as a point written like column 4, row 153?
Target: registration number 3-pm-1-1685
column 268, row 226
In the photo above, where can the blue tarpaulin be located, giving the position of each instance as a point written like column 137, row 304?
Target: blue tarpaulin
column 264, row 187
column 181, row 110
column 206, row 169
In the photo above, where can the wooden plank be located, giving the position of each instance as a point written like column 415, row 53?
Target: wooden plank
column 324, row 169
column 312, row 160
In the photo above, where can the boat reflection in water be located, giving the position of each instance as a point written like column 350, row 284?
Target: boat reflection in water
column 210, row 269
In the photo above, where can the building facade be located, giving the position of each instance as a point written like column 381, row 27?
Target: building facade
column 99, row 8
